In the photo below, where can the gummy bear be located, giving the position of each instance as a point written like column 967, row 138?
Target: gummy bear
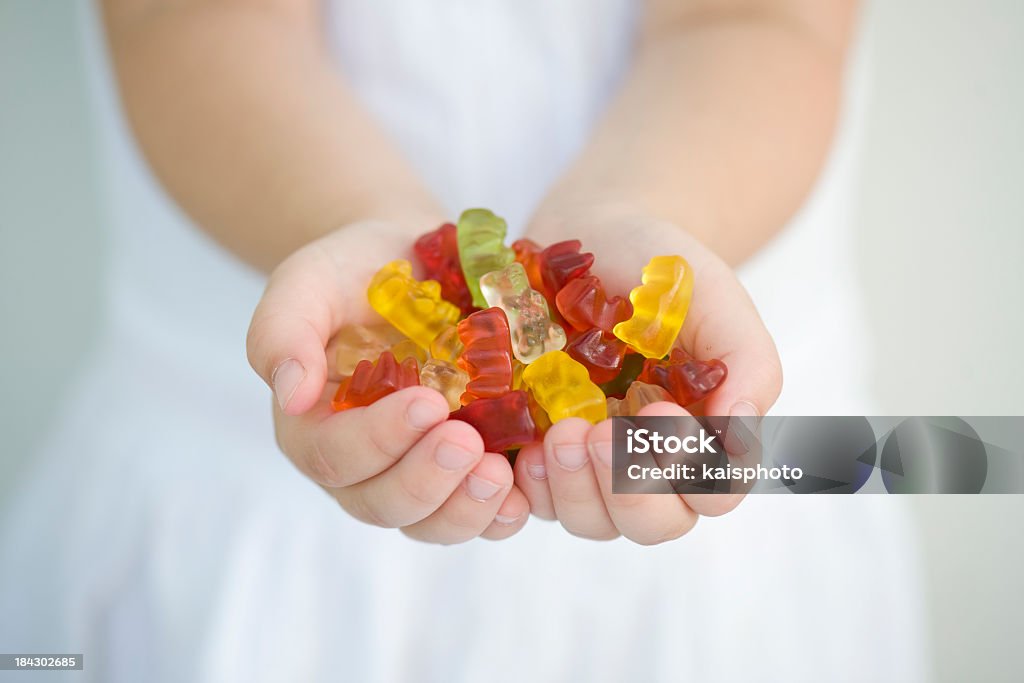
column 562, row 262
column 446, row 378
column 599, row 353
column 632, row 365
column 374, row 380
column 354, row 343
column 407, row 348
column 549, row 269
column 563, row 388
column 584, row 304
column 438, row 251
column 447, row 345
column 638, row 395
column 415, row 308
column 503, row 422
column 517, row 373
column 687, row 379
column 540, row 417
column 533, row 331
column 487, row 356
column 481, row 241
column 659, row 306
column 528, row 255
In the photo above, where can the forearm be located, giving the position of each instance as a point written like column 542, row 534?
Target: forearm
column 243, row 118
column 721, row 126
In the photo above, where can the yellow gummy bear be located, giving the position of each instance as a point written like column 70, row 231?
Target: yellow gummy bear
column 447, row 345
column 407, row 348
column 415, row 308
column 517, row 374
column 562, row 387
column 659, row 306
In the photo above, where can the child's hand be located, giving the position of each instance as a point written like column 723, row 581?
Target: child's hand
column 396, row 463
column 568, row 477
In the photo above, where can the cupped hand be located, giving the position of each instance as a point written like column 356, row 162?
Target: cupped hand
column 568, row 476
column 398, row 462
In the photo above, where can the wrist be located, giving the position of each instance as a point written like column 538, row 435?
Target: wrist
column 626, row 223
column 408, row 219
column 577, row 217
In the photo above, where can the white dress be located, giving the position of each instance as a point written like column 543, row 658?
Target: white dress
column 161, row 533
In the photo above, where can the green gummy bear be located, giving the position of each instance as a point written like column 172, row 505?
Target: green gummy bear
column 481, row 239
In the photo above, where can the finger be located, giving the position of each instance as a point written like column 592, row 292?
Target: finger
column 723, row 323
column 471, row 508
column 291, row 326
column 532, row 479
column 341, row 449
column 645, row 518
column 420, row 482
column 575, row 494
column 512, row 516
column 707, row 504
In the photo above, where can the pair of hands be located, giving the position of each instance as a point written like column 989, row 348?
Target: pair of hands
column 399, row 463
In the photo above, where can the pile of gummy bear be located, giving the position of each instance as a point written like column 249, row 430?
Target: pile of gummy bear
column 517, row 338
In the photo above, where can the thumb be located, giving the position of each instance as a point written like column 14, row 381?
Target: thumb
column 290, row 329
column 723, row 323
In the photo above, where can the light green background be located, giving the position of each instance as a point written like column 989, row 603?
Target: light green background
column 941, row 214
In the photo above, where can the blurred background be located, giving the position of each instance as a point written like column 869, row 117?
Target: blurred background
column 941, row 215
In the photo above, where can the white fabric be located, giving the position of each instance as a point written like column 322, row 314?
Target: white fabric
column 162, row 534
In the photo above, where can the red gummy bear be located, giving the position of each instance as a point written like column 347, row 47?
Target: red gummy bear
column 560, row 263
column 373, row 380
column 687, row 379
column 438, row 251
column 601, row 354
column 549, row 269
column 503, row 422
column 584, row 304
column 487, row 356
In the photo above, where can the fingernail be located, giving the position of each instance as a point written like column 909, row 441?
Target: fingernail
column 286, row 380
column 481, row 489
column 744, row 409
column 537, row 471
column 743, row 419
column 450, row 457
column 422, row 414
column 570, row 456
column 507, row 520
column 602, row 450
